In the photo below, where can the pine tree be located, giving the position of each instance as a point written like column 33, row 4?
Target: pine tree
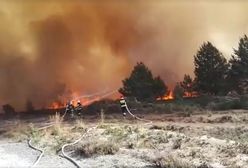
column 210, row 70
column 238, row 73
column 178, row 92
column 142, row 85
column 159, row 87
column 188, row 85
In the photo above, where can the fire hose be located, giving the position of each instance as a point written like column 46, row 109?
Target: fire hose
column 81, row 137
column 138, row 118
column 92, row 128
column 35, row 148
column 103, row 93
column 40, row 150
column 73, row 143
column 51, row 124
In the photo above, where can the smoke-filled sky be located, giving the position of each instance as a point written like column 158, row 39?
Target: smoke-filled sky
column 49, row 48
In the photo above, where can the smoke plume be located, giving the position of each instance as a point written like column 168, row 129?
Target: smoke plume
column 49, row 49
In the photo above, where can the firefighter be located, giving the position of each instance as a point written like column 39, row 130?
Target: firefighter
column 71, row 109
column 79, row 108
column 67, row 109
column 123, row 105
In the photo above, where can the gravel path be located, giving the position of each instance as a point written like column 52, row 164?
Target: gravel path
column 20, row 155
column 15, row 155
column 114, row 161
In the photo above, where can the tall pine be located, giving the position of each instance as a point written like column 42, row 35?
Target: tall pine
column 210, row 70
column 238, row 73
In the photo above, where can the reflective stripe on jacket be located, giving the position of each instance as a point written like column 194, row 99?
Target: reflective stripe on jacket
column 123, row 103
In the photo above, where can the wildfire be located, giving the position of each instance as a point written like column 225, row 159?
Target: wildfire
column 84, row 102
column 190, row 94
column 56, row 105
column 88, row 101
column 169, row 96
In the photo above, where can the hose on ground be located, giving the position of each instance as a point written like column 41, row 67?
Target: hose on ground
column 52, row 124
column 73, row 143
column 92, row 128
column 40, row 150
column 81, row 137
column 35, row 148
column 138, row 118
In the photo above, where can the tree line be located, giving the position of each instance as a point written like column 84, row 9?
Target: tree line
column 213, row 75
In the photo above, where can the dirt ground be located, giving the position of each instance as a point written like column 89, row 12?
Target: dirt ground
column 209, row 139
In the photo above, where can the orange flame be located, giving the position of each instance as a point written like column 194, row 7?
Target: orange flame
column 56, row 105
column 190, row 94
column 84, row 102
column 169, row 96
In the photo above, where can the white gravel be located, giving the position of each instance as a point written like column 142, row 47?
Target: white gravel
column 114, row 161
column 18, row 155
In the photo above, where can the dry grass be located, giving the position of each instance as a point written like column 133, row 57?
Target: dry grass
column 18, row 132
column 50, row 138
column 102, row 116
column 103, row 147
column 171, row 162
column 79, row 126
column 182, row 144
column 57, row 124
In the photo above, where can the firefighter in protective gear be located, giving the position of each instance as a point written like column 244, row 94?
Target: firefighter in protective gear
column 79, row 108
column 71, row 108
column 67, row 109
column 123, row 105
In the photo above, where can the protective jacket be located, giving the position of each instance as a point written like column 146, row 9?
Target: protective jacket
column 123, row 102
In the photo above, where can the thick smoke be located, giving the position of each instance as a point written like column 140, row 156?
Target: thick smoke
column 50, row 49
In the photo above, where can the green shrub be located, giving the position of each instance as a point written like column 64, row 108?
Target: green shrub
column 226, row 105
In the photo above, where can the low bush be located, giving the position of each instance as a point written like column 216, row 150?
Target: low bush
column 97, row 148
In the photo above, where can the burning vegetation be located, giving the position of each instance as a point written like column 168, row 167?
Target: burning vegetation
column 54, row 56
column 51, row 49
column 80, row 47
